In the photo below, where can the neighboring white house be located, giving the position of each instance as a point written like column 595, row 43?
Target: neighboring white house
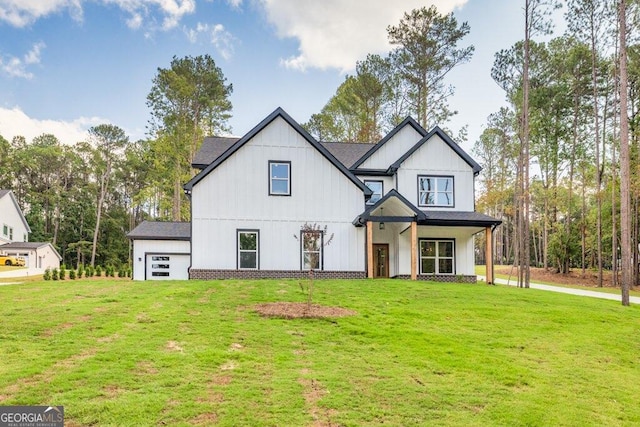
column 13, row 225
column 403, row 207
column 14, row 236
column 161, row 250
column 38, row 255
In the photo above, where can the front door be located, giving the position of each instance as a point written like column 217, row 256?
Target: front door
column 381, row 260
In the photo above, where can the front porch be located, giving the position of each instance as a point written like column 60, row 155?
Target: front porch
column 405, row 242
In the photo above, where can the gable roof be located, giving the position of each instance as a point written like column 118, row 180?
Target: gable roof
column 10, row 194
column 29, row 246
column 212, row 147
column 279, row 112
column 161, row 230
column 455, row 147
column 393, row 193
column 406, row 122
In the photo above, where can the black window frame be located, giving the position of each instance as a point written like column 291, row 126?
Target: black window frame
column 437, row 256
column 279, row 162
column 453, row 193
column 366, row 181
column 320, row 250
column 257, row 250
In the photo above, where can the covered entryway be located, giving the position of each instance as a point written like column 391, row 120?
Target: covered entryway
column 167, row 266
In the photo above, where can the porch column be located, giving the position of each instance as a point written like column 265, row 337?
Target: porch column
column 414, row 250
column 489, row 255
column 370, row 249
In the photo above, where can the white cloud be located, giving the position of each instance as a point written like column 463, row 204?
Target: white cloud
column 14, row 122
column 21, row 13
column 235, row 4
column 217, row 35
column 17, row 67
column 337, row 33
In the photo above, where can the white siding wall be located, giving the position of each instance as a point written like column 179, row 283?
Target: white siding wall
column 235, row 195
column 464, row 247
column 435, row 157
column 141, row 247
column 10, row 216
column 393, row 149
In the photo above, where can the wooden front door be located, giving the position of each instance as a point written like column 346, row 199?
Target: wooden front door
column 380, row 260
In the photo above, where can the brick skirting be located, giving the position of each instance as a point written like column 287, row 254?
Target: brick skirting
column 202, row 274
column 460, row 278
column 272, row 274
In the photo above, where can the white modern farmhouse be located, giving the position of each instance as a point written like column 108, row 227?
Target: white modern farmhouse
column 403, row 207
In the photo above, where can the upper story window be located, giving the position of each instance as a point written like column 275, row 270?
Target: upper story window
column 5, row 230
column 435, row 191
column 279, row 178
column 377, row 188
column 248, row 249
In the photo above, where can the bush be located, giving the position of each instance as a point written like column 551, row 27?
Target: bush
column 72, row 274
column 90, row 271
column 98, row 271
column 122, row 272
column 80, row 271
column 47, row 274
column 54, row 274
column 62, row 273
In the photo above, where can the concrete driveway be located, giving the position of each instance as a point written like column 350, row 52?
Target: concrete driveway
column 572, row 291
column 22, row 272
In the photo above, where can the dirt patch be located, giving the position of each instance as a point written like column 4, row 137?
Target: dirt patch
column 145, row 368
column 205, row 419
column 173, row 346
column 298, row 310
column 574, row 277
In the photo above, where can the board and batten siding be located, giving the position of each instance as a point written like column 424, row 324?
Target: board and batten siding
column 392, row 149
column 235, row 195
column 464, row 248
column 10, row 216
column 143, row 247
column 435, row 157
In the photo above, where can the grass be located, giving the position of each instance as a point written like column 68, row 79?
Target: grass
column 116, row 352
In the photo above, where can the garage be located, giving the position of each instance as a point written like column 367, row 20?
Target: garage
column 161, row 250
column 167, row 266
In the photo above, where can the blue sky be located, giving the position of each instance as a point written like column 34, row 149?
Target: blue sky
column 66, row 65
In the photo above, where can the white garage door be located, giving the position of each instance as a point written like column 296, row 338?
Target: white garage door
column 167, row 267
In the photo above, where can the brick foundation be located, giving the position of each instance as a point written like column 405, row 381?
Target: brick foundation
column 272, row 274
column 202, row 274
column 460, row 278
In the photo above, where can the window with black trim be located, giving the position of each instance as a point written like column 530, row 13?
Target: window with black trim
column 377, row 188
column 437, row 256
column 279, row 178
column 312, row 243
column 435, row 191
column 248, row 249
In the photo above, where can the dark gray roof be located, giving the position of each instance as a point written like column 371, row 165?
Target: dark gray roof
column 347, row 152
column 161, row 230
column 458, row 218
column 278, row 112
column 212, row 147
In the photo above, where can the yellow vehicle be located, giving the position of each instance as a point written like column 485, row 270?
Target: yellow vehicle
column 11, row 261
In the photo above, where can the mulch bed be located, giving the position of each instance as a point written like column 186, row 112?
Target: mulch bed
column 299, row 310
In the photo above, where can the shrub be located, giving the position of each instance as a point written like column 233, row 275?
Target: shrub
column 72, row 274
column 80, row 271
column 122, row 272
column 62, row 273
column 90, row 270
column 47, row 274
column 98, row 271
column 54, row 274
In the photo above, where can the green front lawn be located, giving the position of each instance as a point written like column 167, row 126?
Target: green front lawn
column 195, row 353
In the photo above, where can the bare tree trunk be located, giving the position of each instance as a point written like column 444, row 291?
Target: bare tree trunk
column 625, row 168
column 525, row 258
column 104, row 182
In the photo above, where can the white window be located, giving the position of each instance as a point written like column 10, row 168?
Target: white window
column 377, row 188
column 5, row 230
column 248, row 249
column 437, row 256
column 10, row 233
column 312, row 246
column 435, row 191
column 279, row 178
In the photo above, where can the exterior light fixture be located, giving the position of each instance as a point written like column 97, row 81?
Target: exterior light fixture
column 381, row 225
